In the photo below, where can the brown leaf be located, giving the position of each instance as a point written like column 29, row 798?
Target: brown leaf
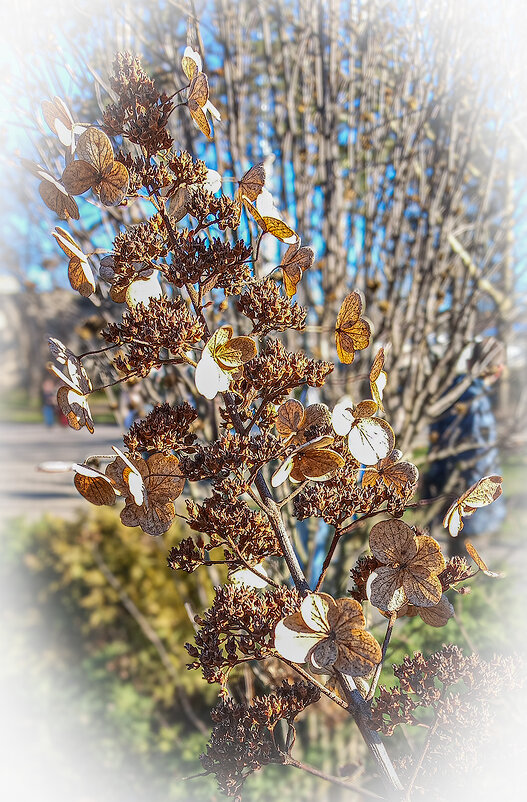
column 352, row 333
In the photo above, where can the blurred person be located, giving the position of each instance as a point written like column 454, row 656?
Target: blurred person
column 48, row 394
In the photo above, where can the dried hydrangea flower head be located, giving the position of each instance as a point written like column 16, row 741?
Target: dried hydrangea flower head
column 401, row 476
column 149, row 488
column 352, row 333
column 370, row 439
column 480, row 494
column 314, row 461
column 72, row 396
column 292, row 420
column 409, row 565
column 221, row 359
column 328, row 634
column 378, row 379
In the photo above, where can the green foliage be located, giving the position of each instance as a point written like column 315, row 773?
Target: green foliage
column 87, row 623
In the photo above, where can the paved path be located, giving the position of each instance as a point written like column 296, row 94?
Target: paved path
column 26, row 491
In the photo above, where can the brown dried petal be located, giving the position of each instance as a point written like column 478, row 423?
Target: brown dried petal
column 386, row 591
column 289, row 418
column 324, row 654
column 155, row 520
column 315, row 464
column 81, row 277
column 438, row 615
column 235, row 352
column 428, row 555
column 164, row 481
column 421, row 588
column 75, row 408
column 95, row 148
column 79, row 176
column 365, row 409
column 95, row 489
column 359, row 655
column 346, row 616
column 114, row 185
column 316, row 415
column 57, row 199
column 393, row 541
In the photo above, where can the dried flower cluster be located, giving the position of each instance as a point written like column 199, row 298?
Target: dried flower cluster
column 243, row 738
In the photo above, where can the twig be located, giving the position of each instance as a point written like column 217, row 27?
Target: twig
column 365, row 794
column 309, row 678
column 424, row 753
column 291, row 496
column 378, row 669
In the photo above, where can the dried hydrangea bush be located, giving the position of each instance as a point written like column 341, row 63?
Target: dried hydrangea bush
column 240, row 427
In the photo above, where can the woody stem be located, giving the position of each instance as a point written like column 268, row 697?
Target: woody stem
column 272, row 511
column 361, row 713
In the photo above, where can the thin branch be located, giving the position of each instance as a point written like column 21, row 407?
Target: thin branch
column 424, row 753
column 378, row 669
column 365, row 794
